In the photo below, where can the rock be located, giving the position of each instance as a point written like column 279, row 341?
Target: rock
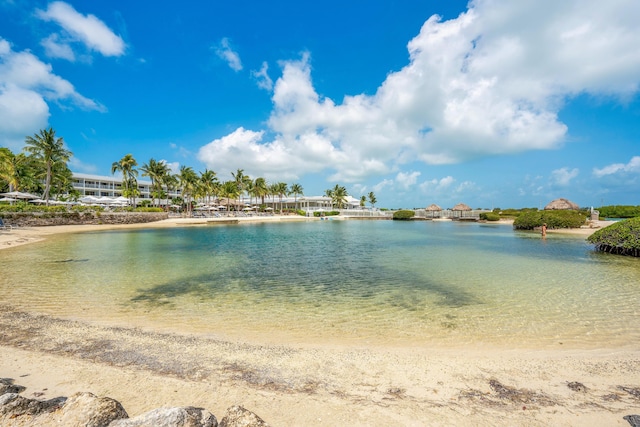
column 80, row 410
column 237, row 416
column 7, row 386
column 12, row 405
column 634, row 420
column 88, row 410
column 578, row 387
column 171, row 417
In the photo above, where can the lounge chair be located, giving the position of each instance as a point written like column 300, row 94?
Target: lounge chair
column 4, row 225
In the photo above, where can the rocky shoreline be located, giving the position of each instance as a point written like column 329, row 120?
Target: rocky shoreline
column 88, row 410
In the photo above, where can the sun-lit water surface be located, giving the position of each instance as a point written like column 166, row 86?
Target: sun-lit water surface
column 356, row 282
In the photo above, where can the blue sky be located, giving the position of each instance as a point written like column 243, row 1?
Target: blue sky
column 490, row 103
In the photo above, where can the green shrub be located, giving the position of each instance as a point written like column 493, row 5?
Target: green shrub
column 621, row 238
column 403, row 214
column 148, row 209
column 553, row 219
column 490, row 216
column 330, row 213
column 619, row 211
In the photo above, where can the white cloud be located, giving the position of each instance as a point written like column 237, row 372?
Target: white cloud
column 54, row 48
column 174, row 167
column 87, row 29
column 632, row 167
column 262, row 77
column 489, row 82
column 224, row 51
column 26, row 86
column 407, row 180
column 563, row 176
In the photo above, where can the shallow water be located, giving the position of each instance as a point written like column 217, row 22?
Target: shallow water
column 349, row 282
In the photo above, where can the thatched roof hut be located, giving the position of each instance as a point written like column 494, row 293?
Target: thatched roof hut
column 433, row 208
column 461, row 207
column 561, row 204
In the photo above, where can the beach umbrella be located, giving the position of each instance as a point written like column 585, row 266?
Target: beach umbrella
column 433, row 208
column 561, row 204
column 20, row 195
column 41, row 201
column 7, row 199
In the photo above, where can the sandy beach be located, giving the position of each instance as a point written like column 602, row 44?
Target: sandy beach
column 308, row 385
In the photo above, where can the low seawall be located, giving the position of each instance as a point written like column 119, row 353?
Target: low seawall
column 43, row 219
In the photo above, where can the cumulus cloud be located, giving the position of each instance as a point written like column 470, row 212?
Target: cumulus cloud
column 55, row 48
column 407, row 180
column 262, row 77
column 26, row 86
column 563, row 176
column 489, row 82
column 86, row 29
column 224, row 51
column 617, row 168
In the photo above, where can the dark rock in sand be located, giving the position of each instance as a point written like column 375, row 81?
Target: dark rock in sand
column 171, row 417
column 634, row 420
column 81, row 410
column 237, row 416
column 7, row 386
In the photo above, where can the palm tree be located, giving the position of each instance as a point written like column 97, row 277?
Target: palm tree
column 241, row 181
column 9, row 169
column 188, row 179
column 296, row 190
column 372, row 199
column 229, row 189
column 126, row 166
column 281, row 190
column 156, row 171
column 209, row 183
column 261, row 188
column 338, row 196
column 50, row 151
column 363, row 201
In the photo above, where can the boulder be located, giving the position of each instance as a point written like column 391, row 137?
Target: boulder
column 237, row 416
column 80, row 410
column 170, row 417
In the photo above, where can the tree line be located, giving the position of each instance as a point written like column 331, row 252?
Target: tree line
column 42, row 168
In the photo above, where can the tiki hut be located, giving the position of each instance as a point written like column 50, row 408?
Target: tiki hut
column 561, row 204
column 433, row 211
column 459, row 209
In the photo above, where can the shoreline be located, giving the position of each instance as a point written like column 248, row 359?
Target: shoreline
column 145, row 370
column 25, row 235
column 334, row 384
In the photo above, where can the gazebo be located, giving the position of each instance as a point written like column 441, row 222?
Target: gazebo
column 561, row 204
column 432, row 209
column 459, row 209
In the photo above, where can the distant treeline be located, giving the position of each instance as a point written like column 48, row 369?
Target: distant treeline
column 619, row 211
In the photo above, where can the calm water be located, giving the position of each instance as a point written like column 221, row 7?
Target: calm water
column 357, row 282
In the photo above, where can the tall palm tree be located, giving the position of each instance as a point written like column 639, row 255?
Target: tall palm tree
column 241, row 181
column 338, row 196
column 50, row 151
column 372, row 199
column 208, row 181
column 281, row 190
column 156, row 172
column 261, row 188
column 9, row 169
column 126, row 166
column 363, row 201
column 188, row 179
column 229, row 189
column 296, row 190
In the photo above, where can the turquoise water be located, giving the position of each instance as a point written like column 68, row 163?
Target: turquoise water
column 354, row 282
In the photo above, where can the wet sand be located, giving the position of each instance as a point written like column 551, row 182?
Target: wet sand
column 310, row 385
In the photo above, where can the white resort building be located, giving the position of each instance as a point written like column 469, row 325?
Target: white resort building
column 110, row 186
